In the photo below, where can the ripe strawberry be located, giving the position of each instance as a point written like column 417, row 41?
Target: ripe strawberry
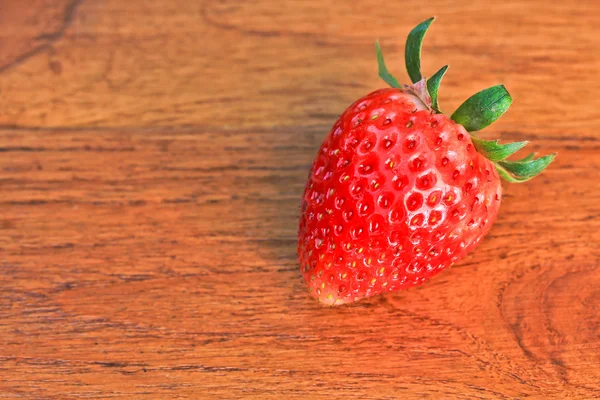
column 399, row 191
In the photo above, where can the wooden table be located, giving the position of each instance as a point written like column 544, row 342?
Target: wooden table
column 152, row 160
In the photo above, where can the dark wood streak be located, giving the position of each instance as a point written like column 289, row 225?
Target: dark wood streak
column 48, row 38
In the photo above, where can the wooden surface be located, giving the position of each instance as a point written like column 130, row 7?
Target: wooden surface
column 152, row 159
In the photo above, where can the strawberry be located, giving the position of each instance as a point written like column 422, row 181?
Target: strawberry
column 399, row 191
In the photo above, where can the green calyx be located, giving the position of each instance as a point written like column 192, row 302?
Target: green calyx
column 433, row 85
column 512, row 171
column 495, row 151
column 524, row 169
column 476, row 113
column 412, row 51
column 483, row 108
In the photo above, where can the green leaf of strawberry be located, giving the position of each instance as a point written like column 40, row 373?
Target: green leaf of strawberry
column 433, row 85
column 483, row 108
column 383, row 71
column 528, row 157
column 524, row 170
column 494, row 151
column 412, row 51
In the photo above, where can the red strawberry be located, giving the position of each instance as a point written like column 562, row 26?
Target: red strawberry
column 399, row 191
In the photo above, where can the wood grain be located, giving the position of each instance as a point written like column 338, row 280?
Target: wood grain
column 152, row 158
